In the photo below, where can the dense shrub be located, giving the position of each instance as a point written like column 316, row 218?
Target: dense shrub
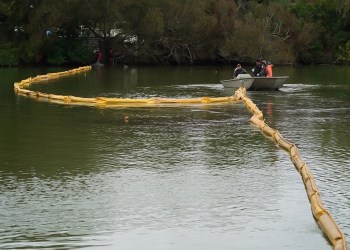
column 8, row 55
column 174, row 32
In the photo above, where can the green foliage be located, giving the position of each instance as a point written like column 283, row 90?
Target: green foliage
column 8, row 55
column 152, row 25
column 68, row 52
column 329, row 23
column 26, row 52
column 344, row 53
column 56, row 56
column 174, row 31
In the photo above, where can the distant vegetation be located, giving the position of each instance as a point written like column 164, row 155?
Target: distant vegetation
column 68, row 32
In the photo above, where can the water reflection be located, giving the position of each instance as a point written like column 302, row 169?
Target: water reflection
column 130, row 79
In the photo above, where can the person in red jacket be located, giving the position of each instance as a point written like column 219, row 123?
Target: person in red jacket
column 99, row 56
column 268, row 68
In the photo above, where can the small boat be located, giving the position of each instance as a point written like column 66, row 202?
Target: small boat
column 255, row 83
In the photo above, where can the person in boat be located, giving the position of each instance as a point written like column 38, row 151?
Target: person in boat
column 238, row 70
column 260, row 69
column 268, row 66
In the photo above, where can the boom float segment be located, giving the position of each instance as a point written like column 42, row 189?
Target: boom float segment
column 105, row 102
column 322, row 216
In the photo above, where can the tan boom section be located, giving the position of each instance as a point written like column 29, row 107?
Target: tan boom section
column 322, row 216
column 104, row 102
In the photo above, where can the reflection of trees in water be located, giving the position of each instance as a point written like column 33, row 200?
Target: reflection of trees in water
column 130, row 78
column 57, row 144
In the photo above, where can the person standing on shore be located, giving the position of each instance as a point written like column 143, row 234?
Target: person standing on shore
column 99, row 56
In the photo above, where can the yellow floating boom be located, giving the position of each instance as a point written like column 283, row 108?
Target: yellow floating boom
column 322, row 216
column 21, row 88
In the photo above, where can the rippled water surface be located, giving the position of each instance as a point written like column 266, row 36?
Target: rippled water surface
column 182, row 177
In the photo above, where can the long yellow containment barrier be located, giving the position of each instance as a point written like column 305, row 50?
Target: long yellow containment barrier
column 103, row 102
column 322, row 216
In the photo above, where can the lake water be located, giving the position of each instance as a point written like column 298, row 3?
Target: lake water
column 184, row 177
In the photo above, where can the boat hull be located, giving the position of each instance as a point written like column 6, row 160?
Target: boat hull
column 268, row 83
column 256, row 83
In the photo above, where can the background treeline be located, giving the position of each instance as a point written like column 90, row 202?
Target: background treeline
column 174, row 31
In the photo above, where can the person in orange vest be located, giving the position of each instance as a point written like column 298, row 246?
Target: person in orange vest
column 268, row 66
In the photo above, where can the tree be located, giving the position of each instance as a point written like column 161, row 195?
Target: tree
column 174, row 31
